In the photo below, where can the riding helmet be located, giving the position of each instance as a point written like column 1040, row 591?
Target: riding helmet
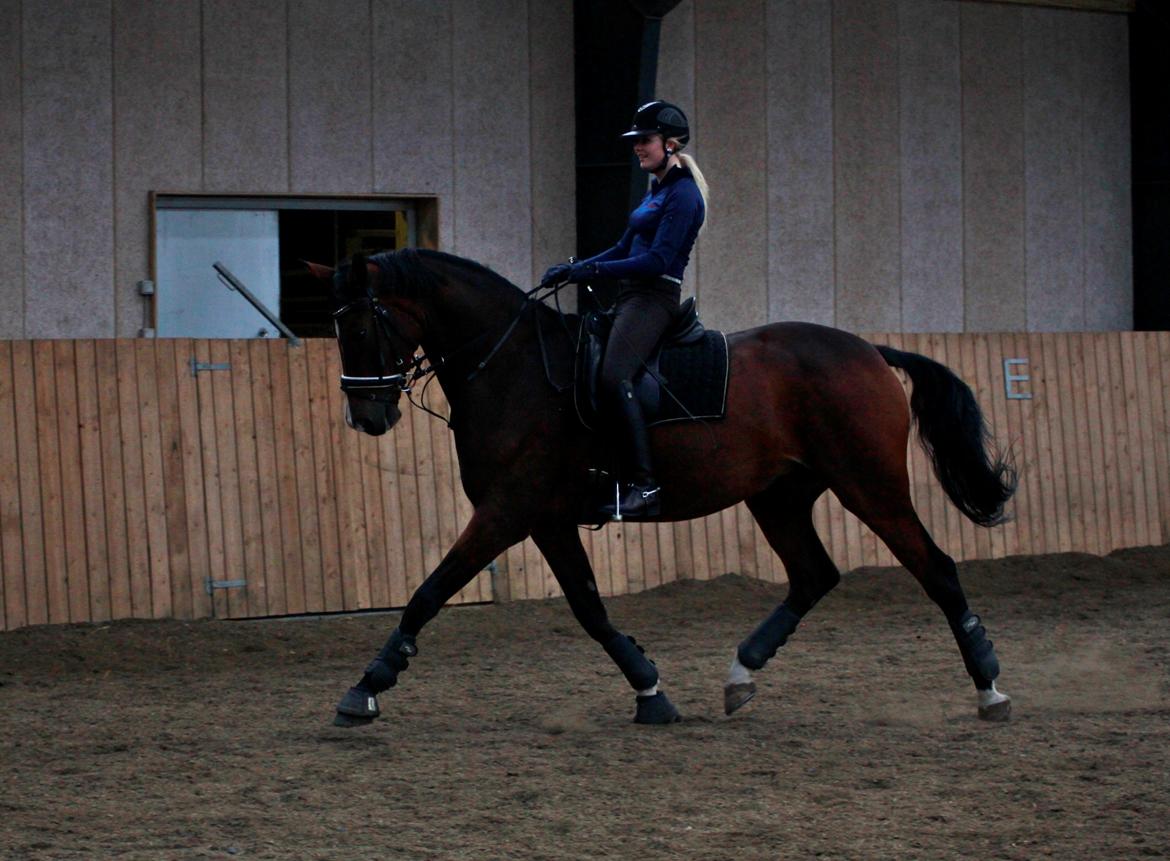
column 659, row 117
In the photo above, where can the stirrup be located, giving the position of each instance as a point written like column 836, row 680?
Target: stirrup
column 633, row 500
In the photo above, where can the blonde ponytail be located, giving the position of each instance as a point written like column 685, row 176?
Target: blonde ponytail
column 693, row 167
column 690, row 164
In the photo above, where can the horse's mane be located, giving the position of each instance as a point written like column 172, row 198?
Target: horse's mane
column 405, row 270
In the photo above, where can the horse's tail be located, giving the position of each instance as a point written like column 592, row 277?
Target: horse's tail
column 977, row 478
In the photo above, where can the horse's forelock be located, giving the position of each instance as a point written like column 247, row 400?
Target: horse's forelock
column 340, row 286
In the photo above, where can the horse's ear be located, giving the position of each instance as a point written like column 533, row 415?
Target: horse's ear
column 359, row 272
column 325, row 273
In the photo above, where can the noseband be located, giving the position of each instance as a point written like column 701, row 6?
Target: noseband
column 384, row 388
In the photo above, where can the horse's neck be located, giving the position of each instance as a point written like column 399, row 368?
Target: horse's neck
column 465, row 319
column 464, row 308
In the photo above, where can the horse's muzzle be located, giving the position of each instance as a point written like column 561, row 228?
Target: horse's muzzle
column 371, row 417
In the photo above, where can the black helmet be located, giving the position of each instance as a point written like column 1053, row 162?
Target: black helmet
column 659, row 117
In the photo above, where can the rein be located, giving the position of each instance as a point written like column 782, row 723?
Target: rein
column 530, row 297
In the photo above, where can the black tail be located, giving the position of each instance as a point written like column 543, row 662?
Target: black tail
column 952, row 430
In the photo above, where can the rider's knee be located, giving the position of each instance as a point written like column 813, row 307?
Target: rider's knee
column 612, row 386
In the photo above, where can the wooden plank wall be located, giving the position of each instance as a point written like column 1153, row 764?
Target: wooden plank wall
column 127, row 482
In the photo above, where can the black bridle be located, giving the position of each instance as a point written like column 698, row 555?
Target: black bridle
column 383, row 387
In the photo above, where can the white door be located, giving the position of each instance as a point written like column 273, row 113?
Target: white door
column 190, row 299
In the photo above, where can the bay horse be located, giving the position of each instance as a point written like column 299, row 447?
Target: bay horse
column 809, row 409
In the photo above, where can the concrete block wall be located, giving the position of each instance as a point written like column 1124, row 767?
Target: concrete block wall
column 68, row 166
column 103, row 102
column 11, row 172
column 913, row 165
column 908, row 165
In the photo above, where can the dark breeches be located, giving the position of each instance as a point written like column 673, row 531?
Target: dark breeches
column 644, row 311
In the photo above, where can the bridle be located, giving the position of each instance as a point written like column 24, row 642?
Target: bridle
column 386, row 388
column 382, row 388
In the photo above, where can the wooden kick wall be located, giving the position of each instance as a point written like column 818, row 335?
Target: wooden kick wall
column 128, row 483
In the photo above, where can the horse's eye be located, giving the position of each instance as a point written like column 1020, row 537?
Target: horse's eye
column 361, row 333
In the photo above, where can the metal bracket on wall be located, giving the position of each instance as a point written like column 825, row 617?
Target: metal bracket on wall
column 234, row 283
column 212, row 585
column 197, row 366
column 1010, row 392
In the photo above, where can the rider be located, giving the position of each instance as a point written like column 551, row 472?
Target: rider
column 648, row 260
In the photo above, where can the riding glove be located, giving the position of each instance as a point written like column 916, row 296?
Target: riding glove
column 556, row 274
column 574, row 272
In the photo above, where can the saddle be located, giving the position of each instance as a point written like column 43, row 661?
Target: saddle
column 687, row 377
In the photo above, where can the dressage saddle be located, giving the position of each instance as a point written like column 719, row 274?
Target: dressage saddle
column 684, row 379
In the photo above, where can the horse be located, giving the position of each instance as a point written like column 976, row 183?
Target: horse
column 809, row 409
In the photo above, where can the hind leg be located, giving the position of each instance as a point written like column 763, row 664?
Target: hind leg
column 784, row 513
column 887, row 509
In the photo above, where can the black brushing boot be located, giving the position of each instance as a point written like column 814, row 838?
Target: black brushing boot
column 359, row 706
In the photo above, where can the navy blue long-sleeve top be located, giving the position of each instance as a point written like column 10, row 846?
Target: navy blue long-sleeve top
column 661, row 232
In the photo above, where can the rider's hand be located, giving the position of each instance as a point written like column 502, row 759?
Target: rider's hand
column 556, row 274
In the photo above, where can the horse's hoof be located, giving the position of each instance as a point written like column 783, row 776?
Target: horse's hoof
column 656, row 709
column 357, row 708
column 737, row 696
column 993, row 705
column 996, row 712
column 349, row 720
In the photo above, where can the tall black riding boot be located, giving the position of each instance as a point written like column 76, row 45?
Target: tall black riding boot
column 640, row 496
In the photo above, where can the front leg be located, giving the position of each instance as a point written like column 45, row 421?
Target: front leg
column 487, row 536
column 561, row 546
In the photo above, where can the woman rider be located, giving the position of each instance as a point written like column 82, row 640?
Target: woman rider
column 649, row 261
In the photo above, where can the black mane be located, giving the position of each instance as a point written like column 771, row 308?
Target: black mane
column 404, row 269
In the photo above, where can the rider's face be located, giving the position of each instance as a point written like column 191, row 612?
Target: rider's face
column 650, row 151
